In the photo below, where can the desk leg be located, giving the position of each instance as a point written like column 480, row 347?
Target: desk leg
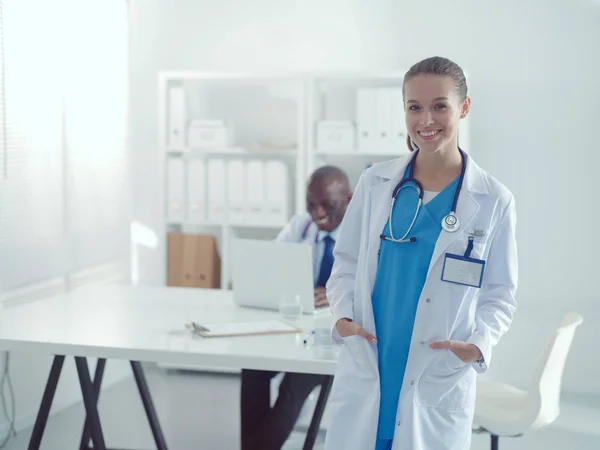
column 90, row 401
column 86, row 434
column 142, row 385
column 313, row 429
column 42, row 416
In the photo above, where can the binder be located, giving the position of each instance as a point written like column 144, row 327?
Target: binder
column 383, row 120
column 366, row 104
column 277, row 189
column 196, row 191
column 398, row 122
column 255, row 191
column 176, row 119
column 216, row 190
column 175, row 190
column 235, row 190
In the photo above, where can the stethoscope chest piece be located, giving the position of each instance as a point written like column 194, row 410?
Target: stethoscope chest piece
column 450, row 223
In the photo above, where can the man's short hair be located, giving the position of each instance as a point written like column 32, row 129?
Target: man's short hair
column 333, row 172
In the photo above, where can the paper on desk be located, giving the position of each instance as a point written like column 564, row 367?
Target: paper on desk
column 243, row 328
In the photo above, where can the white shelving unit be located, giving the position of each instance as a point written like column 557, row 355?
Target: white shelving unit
column 273, row 117
column 265, row 115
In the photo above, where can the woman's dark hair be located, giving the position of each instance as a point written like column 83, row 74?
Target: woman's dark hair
column 436, row 65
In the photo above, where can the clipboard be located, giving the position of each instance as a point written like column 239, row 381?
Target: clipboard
column 230, row 329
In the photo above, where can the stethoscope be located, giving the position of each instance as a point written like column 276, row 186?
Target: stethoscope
column 450, row 222
column 307, row 226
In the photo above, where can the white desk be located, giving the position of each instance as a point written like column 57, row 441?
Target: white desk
column 147, row 324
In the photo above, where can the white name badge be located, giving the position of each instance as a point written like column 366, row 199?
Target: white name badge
column 463, row 270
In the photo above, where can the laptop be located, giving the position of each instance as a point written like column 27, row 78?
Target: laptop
column 263, row 271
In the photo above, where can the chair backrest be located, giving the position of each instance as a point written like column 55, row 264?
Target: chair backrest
column 544, row 394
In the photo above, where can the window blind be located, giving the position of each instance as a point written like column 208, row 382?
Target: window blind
column 64, row 203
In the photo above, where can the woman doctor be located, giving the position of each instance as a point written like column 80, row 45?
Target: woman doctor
column 423, row 284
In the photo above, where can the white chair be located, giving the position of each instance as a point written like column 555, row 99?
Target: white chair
column 504, row 410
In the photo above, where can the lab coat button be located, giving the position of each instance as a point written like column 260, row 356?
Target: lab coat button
column 428, row 300
column 412, row 383
column 422, row 342
column 399, row 423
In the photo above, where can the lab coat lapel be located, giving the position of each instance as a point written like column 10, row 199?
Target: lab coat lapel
column 466, row 209
column 390, row 174
column 381, row 201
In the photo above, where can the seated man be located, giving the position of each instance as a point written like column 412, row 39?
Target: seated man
column 263, row 427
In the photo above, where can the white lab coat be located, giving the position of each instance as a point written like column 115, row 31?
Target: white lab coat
column 435, row 409
column 300, row 228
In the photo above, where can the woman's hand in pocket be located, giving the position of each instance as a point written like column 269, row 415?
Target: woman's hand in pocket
column 346, row 327
column 468, row 353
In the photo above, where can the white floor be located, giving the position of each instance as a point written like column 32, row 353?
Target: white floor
column 201, row 411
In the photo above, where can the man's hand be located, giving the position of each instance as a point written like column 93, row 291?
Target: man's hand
column 320, row 297
column 466, row 352
column 346, row 328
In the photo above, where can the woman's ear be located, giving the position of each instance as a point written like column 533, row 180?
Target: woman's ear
column 465, row 107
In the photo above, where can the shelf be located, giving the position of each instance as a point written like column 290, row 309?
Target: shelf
column 229, row 76
column 360, row 76
column 222, row 224
column 349, row 153
column 194, row 224
column 256, row 225
column 233, row 152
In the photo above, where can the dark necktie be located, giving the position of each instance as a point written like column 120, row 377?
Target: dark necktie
column 326, row 262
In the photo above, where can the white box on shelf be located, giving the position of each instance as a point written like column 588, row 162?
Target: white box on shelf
column 216, row 190
column 176, row 119
column 236, row 197
column 175, row 190
column 277, row 192
column 366, row 104
column 335, row 135
column 209, row 134
column 255, row 191
column 196, row 181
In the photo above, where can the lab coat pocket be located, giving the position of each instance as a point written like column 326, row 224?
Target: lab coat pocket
column 453, row 362
column 448, row 383
column 460, row 246
column 355, row 365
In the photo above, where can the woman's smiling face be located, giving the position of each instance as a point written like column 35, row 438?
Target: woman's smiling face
column 433, row 111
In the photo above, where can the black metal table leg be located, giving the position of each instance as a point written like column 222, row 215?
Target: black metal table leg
column 90, row 401
column 142, row 385
column 313, row 429
column 494, row 442
column 42, row 416
column 98, row 375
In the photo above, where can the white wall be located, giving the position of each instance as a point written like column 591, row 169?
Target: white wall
column 536, row 101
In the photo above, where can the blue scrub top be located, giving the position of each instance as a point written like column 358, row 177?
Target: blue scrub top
column 401, row 274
